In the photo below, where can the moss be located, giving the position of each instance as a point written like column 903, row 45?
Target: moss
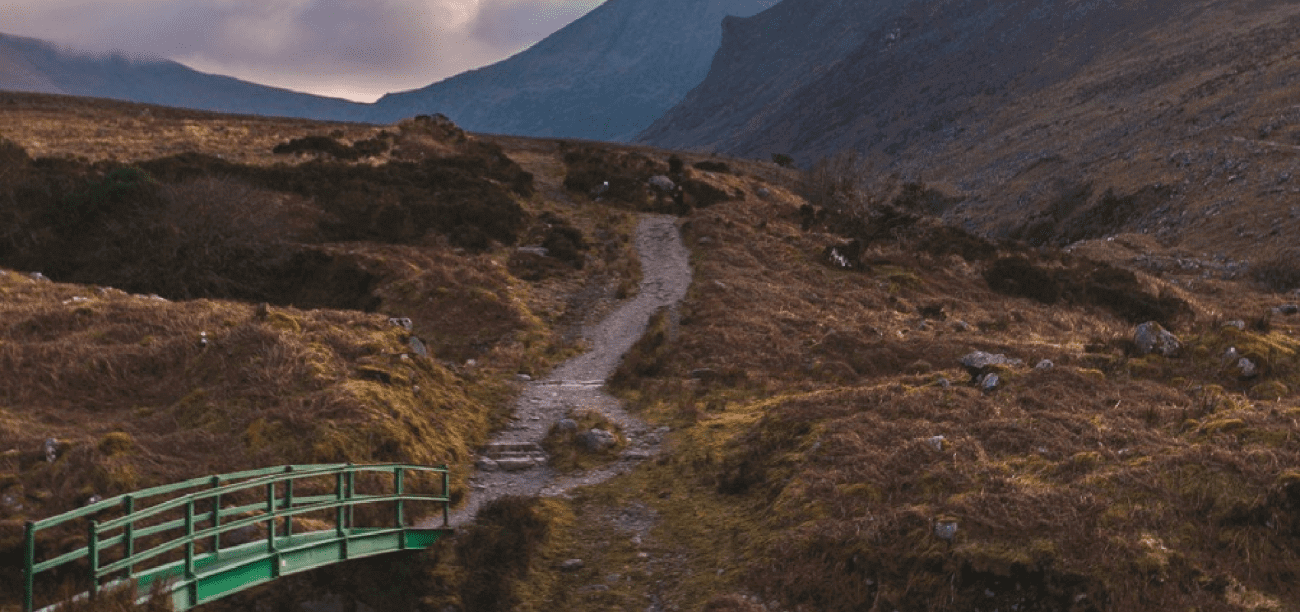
column 1269, row 390
column 1222, row 426
column 116, row 443
column 283, row 322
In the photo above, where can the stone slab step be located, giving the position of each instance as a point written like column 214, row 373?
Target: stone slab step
column 501, row 449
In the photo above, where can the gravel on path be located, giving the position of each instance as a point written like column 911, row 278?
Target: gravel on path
column 579, row 382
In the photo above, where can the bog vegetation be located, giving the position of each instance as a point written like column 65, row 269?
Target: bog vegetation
column 829, row 451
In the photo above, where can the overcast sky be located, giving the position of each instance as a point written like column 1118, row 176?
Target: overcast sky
column 356, row 49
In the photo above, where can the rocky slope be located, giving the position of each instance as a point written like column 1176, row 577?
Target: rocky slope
column 1018, row 105
column 31, row 65
column 605, row 76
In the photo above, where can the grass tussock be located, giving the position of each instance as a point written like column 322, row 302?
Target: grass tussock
column 1111, row 481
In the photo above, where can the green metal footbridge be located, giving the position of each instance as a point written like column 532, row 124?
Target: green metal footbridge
column 202, row 539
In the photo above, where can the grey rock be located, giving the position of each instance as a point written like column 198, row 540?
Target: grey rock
column 935, row 442
column 567, row 425
column 417, row 346
column 401, row 322
column 51, row 449
column 1150, row 337
column 764, row 192
column 596, row 440
column 1247, row 368
column 1237, row 323
column 487, row 465
column 1289, row 309
column 662, row 183
column 1045, row 364
column 989, row 382
column 945, row 530
column 524, row 377
column 533, row 250
column 37, row 276
column 979, row 362
column 703, row 373
column 572, row 565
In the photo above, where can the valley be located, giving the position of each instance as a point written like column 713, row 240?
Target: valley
column 826, row 441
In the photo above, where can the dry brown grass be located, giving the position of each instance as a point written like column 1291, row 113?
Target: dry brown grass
column 1109, row 482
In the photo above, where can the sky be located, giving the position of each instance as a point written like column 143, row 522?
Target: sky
column 355, row 49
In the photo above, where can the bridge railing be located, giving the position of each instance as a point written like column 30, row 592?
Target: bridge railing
column 201, row 510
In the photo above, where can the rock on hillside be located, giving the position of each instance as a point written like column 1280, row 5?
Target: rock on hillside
column 1019, row 105
column 31, row 65
column 605, row 76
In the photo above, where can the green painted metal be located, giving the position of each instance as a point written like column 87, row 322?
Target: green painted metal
column 111, row 555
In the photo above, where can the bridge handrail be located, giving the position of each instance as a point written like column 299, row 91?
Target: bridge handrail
column 271, row 510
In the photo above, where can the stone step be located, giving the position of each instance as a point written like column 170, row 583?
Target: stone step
column 502, row 449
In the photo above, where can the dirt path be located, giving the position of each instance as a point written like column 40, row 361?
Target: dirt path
column 513, row 462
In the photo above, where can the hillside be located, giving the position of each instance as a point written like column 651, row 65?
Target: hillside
column 605, row 76
column 1029, row 113
column 30, row 65
column 831, row 442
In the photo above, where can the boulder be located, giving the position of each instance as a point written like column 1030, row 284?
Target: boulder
column 989, row 382
column 979, row 362
column 567, row 425
column 596, row 440
column 1150, row 337
column 662, row 183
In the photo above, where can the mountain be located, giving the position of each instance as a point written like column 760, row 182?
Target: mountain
column 606, row 76
column 1032, row 110
column 32, row 65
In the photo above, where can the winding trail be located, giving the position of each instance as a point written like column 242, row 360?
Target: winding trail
column 514, row 463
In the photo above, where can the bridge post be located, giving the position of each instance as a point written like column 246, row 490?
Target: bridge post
column 270, row 529
column 398, row 472
column 189, row 539
column 92, row 552
column 446, row 493
column 29, row 572
column 216, row 518
column 288, row 501
column 128, row 533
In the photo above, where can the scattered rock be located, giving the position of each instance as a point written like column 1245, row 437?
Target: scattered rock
column 935, row 442
column 596, row 440
column 703, row 373
column 572, row 565
column 524, row 377
column 945, row 530
column 989, row 382
column 1237, row 323
column 662, row 183
column 1045, row 364
column 1247, row 368
column 979, row 362
column 417, row 346
column 1150, row 337
column 539, row 251
column 51, row 449
column 1288, row 309
column 401, row 322
column 37, row 276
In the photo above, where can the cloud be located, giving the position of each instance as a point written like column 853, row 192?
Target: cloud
column 358, row 49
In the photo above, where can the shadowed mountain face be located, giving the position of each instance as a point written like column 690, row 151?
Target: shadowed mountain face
column 605, row 76
column 1021, row 106
column 32, row 65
